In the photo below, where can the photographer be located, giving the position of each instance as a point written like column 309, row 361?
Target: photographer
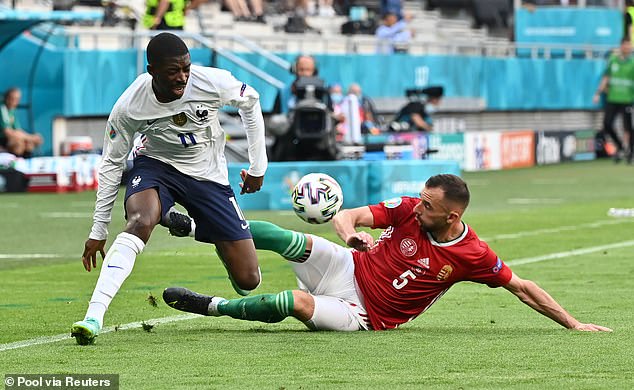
column 416, row 114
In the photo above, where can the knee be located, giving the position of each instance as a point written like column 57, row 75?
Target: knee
column 303, row 305
column 249, row 280
column 140, row 225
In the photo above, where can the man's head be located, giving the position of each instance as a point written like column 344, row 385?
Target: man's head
column 443, row 202
column 169, row 64
column 12, row 98
column 305, row 66
column 626, row 47
column 354, row 89
column 390, row 18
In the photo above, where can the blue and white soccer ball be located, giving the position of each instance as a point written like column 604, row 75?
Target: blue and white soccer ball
column 316, row 198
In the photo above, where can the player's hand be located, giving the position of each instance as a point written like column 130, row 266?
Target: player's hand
column 592, row 328
column 360, row 241
column 90, row 253
column 250, row 184
column 596, row 98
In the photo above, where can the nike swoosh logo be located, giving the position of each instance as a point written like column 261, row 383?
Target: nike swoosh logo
column 114, row 266
column 149, row 123
column 244, row 226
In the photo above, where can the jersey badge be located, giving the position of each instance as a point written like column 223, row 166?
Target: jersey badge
column 180, row 119
column 202, row 113
column 136, row 181
column 498, row 266
column 445, row 272
column 242, row 89
column 408, row 247
column 392, row 203
column 112, row 133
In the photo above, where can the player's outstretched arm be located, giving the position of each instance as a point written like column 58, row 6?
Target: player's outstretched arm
column 345, row 223
column 535, row 297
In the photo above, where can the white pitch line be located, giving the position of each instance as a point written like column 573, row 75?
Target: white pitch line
column 30, row 256
column 561, row 255
column 60, row 214
column 66, row 336
column 527, row 233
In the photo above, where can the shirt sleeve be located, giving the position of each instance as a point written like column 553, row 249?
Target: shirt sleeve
column 490, row 269
column 390, row 212
column 246, row 99
column 117, row 143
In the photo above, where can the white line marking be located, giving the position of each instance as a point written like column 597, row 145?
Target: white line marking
column 561, row 255
column 165, row 320
column 9, row 205
column 527, row 233
column 534, row 200
column 66, row 336
column 59, row 214
column 31, row 256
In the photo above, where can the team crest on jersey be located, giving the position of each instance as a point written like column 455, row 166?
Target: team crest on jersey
column 392, row 203
column 136, row 181
column 242, row 89
column 498, row 266
column 445, row 272
column 180, row 119
column 202, row 113
column 408, row 247
column 112, row 133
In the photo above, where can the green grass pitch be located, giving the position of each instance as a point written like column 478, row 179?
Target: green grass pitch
column 473, row 338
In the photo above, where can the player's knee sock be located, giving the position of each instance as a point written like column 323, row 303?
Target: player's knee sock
column 291, row 245
column 116, row 267
column 265, row 308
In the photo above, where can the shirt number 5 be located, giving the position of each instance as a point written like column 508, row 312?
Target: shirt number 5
column 399, row 284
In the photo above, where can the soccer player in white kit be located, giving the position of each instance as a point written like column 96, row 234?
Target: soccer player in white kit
column 180, row 158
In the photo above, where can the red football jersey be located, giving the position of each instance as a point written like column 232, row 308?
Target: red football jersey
column 406, row 270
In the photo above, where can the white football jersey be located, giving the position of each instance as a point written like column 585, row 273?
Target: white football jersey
column 184, row 133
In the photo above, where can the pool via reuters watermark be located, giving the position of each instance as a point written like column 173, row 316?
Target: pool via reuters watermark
column 62, row 381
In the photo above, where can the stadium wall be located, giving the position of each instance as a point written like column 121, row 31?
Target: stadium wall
column 71, row 82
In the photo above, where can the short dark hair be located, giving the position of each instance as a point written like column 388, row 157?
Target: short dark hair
column 9, row 92
column 165, row 45
column 454, row 187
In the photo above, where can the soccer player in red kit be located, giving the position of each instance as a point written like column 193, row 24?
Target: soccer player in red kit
column 424, row 249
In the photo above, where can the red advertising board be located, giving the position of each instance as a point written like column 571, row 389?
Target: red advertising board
column 518, row 149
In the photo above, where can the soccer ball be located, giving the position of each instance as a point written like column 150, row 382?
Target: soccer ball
column 316, row 198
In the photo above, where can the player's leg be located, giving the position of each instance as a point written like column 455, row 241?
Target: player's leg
column 611, row 110
column 143, row 207
column 316, row 312
column 241, row 262
column 627, row 126
column 220, row 221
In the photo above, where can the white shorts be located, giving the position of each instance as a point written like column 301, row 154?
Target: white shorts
column 328, row 275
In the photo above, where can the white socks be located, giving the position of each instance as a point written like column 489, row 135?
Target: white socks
column 116, row 267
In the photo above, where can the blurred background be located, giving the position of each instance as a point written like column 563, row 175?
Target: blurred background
column 399, row 89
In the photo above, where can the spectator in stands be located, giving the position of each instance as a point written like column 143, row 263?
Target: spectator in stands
column 618, row 85
column 12, row 137
column 369, row 123
column 168, row 14
column 242, row 13
column 393, row 35
column 416, row 115
column 336, row 97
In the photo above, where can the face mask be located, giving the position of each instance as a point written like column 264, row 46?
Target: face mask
column 336, row 98
column 430, row 109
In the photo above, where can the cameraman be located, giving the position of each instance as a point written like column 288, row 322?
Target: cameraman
column 416, row 114
column 308, row 132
